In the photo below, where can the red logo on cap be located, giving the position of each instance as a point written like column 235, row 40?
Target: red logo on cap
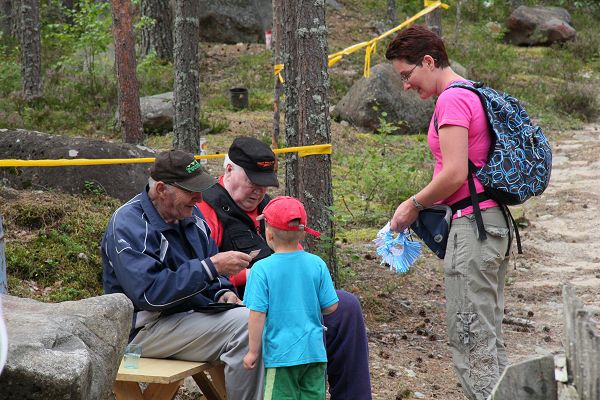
column 265, row 163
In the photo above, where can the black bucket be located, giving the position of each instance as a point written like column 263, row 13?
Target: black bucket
column 239, row 98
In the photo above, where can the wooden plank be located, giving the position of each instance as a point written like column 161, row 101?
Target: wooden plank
column 158, row 391
column 528, row 380
column 212, row 389
column 127, row 391
column 217, row 374
column 570, row 304
column 153, row 370
column 582, row 345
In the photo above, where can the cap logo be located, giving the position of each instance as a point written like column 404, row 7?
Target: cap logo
column 265, row 163
column 193, row 166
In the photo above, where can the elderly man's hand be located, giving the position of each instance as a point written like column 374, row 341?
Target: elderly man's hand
column 230, row 262
column 229, row 297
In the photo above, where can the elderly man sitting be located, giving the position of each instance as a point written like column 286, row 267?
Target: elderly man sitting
column 231, row 208
column 158, row 252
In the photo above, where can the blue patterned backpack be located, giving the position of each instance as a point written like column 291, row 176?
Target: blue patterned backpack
column 520, row 158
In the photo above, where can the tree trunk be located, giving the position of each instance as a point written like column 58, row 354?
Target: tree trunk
column 129, row 95
column 276, row 38
column 434, row 21
column 392, row 12
column 458, row 22
column 31, row 60
column 10, row 22
column 158, row 35
column 186, row 123
column 304, row 53
column 6, row 17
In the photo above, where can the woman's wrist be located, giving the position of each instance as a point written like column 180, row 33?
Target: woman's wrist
column 416, row 203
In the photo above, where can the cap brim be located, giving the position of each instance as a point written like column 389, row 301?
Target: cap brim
column 262, row 178
column 199, row 183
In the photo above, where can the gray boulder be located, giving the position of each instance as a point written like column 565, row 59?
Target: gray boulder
column 382, row 92
column 68, row 350
column 532, row 26
column 157, row 112
column 234, row 21
column 122, row 181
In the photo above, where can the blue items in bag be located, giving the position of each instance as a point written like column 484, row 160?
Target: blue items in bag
column 433, row 226
column 399, row 251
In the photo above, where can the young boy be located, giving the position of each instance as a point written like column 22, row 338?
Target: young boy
column 286, row 293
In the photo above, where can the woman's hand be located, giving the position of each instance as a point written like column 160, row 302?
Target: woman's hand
column 405, row 214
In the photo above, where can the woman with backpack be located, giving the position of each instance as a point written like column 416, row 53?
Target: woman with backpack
column 474, row 269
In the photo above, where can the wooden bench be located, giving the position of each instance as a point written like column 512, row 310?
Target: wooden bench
column 164, row 377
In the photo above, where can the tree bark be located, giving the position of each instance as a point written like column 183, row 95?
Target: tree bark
column 10, row 18
column 186, row 123
column 31, row 60
column 304, row 53
column 158, row 36
column 458, row 21
column 434, row 21
column 276, row 38
column 129, row 95
column 6, row 17
column 391, row 6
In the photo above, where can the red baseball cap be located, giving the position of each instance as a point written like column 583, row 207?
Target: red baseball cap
column 282, row 210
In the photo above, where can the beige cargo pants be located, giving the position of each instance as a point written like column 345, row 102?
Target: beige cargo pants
column 474, row 273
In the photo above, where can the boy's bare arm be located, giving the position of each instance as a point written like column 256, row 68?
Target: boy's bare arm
column 330, row 309
column 256, row 324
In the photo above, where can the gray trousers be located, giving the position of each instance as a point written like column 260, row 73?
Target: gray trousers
column 474, row 273
column 194, row 336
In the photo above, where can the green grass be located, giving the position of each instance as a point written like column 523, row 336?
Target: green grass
column 378, row 172
column 53, row 244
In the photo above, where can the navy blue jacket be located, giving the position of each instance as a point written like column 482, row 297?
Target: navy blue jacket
column 160, row 267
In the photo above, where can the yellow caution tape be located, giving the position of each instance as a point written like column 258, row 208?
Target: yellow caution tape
column 303, row 151
column 371, row 44
column 278, row 68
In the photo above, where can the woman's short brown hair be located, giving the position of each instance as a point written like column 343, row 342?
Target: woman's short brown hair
column 414, row 43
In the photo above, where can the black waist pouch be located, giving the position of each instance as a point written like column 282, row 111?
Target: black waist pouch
column 433, row 227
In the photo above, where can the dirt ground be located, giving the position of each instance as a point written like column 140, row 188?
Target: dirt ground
column 409, row 356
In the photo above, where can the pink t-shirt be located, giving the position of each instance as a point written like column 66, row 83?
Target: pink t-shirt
column 461, row 107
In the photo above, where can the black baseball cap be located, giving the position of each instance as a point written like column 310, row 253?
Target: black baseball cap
column 181, row 169
column 257, row 159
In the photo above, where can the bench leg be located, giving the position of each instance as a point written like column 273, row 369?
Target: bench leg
column 127, row 391
column 212, row 389
column 157, row 391
column 154, row 391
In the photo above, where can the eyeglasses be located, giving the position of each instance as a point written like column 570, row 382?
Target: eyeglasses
column 405, row 76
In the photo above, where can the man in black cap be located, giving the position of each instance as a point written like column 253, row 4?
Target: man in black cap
column 158, row 252
column 231, row 208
